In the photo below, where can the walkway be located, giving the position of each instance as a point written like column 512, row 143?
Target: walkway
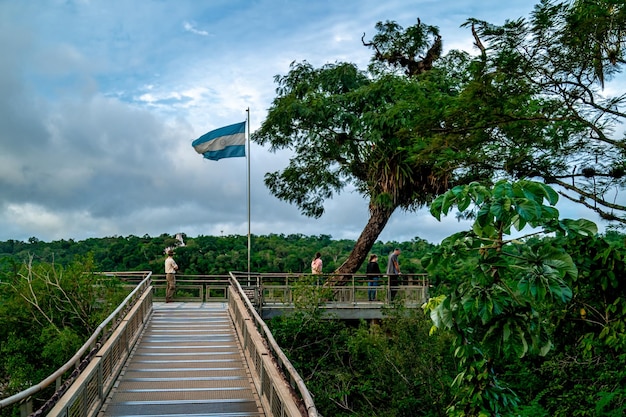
column 188, row 362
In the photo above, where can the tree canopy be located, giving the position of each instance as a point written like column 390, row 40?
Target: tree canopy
column 417, row 122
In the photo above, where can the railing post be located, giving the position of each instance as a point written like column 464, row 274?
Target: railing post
column 26, row 408
column 100, row 382
column 353, row 290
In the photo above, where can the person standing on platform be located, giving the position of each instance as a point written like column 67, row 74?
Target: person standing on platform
column 393, row 271
column 316, row 267
column 170, row 275
column 316, row 264
column 372, row 281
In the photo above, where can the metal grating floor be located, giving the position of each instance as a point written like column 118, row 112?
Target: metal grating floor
column 187, row 363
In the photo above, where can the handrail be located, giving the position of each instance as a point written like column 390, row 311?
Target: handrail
column 275, row 288
column 77, row 358
column 353, row 290
column 277, row 351
column 90, row 390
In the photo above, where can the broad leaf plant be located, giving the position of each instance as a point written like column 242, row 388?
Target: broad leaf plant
column 502, row 275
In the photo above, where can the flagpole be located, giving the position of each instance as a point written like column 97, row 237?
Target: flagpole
column 248, row 130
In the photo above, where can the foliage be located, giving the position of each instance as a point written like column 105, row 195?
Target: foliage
column 556, row 122
column 313, row 346
column 495, row 306
column 585, row 370
column 378, row 130
column 208, row 255
column 390, row 368
column 47, row 313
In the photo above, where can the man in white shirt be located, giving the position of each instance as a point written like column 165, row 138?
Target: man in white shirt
column 170, row 275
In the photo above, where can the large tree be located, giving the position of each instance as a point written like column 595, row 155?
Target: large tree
column 416, row 122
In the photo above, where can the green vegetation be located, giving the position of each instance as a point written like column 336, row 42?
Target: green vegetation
column 211, row 255
column 47, row 312
column 525, row 326
column 391, row 368
column 394, row 367
column 499, row 294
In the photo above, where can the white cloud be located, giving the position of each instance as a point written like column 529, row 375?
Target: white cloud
column 191, row 28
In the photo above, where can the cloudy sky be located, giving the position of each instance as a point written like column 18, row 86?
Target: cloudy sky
column 101, row 99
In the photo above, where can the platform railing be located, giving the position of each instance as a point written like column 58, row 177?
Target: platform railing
column 107, row 347
column 282, row 391
column 355, row 288
column 193, row 288
column 278, row 288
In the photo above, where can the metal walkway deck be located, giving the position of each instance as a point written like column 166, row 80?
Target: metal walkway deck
column 188, row 362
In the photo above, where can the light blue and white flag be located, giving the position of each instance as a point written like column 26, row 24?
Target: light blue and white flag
column 225, row 142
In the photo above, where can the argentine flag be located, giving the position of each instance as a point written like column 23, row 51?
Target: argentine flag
column 225, row 142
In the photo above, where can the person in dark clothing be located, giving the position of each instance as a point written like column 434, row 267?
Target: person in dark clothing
column 393, row 271
column 372, row 268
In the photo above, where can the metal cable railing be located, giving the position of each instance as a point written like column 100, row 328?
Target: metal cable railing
column 412, row 289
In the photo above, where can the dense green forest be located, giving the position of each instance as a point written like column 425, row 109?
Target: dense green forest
column 395, row 367
column 210, row 255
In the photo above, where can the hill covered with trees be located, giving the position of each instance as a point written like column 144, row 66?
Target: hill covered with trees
column 212, row 255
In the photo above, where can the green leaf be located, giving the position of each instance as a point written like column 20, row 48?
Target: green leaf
column 551, row 195
column 529, row 210
column 580, row 227
column 464, row 202
column 545, row 348
column 506, row 332
column 436, row 207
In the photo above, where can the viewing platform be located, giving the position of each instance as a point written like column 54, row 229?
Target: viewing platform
column 274, row 294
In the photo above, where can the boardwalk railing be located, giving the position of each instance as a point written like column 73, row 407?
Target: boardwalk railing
column 274, row 293
column 355, row 288
column 269, row 369
column 94, row 367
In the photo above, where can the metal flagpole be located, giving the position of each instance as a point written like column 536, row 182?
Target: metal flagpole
column 248, row 131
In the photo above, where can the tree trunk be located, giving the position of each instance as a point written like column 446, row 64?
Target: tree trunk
column 379, row 216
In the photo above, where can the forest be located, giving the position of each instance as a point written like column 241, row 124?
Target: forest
column 394, row 367
column 208, row 255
